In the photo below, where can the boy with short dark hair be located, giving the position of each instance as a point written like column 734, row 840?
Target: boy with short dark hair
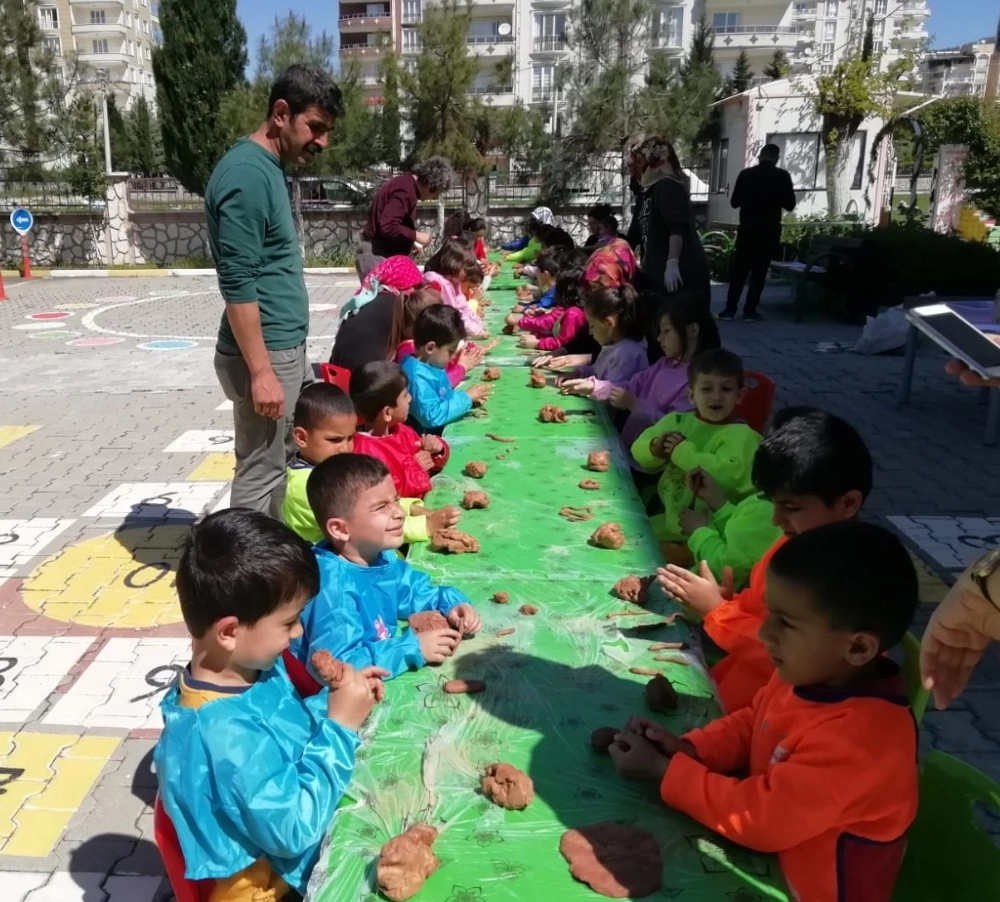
column 815, row 469
column 325, row 424
column 829, row 746
column 249, row 773
column 365, row 586
column 709, row 438
column 437, row 334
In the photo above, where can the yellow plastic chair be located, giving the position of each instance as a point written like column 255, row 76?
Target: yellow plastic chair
column 918, row 696
column 949, row 857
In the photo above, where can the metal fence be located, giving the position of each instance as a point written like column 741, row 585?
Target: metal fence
column 153, row 194
column 48, row 196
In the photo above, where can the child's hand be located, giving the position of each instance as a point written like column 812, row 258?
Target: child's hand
column 425, row 460
column 517, row 308
column 479, row 392
column 518, row 268
column 470, row 356
column 691, row 520
column 657, row 447
column 622, row 399
column 544, row 360
column 667, row 742
column 697, row 591
column 465, row 619
column 636, row 758
column 353, row 701
column 528, row 341
column 533, row 311
column 557, row 363
column 436, row 645
column 670, row 441
column 442, row 518
column 703, row 486
column 431, row 443
column 582, row 387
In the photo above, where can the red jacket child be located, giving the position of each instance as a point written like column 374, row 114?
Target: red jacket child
column 555, row 329
column 397, row 449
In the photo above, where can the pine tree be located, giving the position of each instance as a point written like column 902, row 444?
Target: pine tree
column 292, row 41
column 202, row 58
column 741, row 76
column 779, row 66
column 145, row 147
column 391, row 122
column 121, row 150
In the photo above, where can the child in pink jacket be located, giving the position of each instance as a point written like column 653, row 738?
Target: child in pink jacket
column 557, row 328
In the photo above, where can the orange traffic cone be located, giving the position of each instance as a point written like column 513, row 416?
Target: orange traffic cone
column 3, row 294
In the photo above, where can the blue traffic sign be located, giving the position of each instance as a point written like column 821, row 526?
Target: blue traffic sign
column 22, row 220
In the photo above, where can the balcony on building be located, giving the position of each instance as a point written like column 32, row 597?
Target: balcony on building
column 104, row 59
column 490, row 37
column 543, row 94
column 352, row 47
column 804, row 11
column 757, row 37
column 364, row 17
column 915, row 8
column 549, row 44
column 550, row 4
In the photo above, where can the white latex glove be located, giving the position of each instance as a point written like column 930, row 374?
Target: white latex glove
column 672, row 276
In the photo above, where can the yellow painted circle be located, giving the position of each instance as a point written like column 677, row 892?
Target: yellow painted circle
column 125, row 579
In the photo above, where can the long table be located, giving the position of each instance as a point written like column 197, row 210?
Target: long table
column 559, row 675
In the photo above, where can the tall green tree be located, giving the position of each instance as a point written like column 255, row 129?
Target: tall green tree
column 85, row 174
column 144, row 141
column 741, row 76
column 202, row 58
column 436, row 92
column 391, row 119
column 354, row 144
column 121, row 145
column 292, row 40
column 778, row 66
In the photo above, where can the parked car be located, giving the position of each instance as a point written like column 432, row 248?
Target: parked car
column 324, row 192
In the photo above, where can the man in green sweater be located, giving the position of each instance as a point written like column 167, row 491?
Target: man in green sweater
column 260, row 357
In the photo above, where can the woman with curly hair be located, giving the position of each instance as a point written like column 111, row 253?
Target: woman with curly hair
column 391, row 229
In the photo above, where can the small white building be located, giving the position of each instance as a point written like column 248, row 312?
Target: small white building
column 781, row 112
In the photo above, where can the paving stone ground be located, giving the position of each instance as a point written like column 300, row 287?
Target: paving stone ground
column 114, row 435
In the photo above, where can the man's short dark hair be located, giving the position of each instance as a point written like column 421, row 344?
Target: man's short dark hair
column 376, row 385
column 303, row 85
column 333, row 488
column 241, row 563
column 716, row 362
column 439, row 323
column 320, row 401
column 770, row 152
column 812, row 452
column 858, row 574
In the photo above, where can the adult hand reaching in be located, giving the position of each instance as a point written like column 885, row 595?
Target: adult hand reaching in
column 971, row 377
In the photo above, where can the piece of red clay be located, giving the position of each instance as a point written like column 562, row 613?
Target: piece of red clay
column 661, row 646
column 464, row 687
column 506, row 439
column 589, row 485
column 529, row 610
column 500, row 597
column 644, row 671
column 505, row 632
column 603, row 738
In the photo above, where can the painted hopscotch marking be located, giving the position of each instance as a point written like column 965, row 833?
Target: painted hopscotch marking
column 10, row 434
column 123, row 685
column 214, row 468
column 31, row 667
column 156, row 501
column 23, row 540
column 196, row 440
column 950, row 542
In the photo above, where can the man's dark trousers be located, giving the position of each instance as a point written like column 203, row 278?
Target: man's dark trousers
column 755, row 247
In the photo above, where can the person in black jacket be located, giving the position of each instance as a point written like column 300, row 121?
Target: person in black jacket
column 760, row 194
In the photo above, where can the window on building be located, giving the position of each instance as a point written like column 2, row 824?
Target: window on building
column 832, row 8
column 411, row 40
column 826, row 50
column 881, row 7
column 858, row 147
column 147, row 53
column 550, row 31
column 97, row 17
column 543, row 79
column 100, row 46
column 720, row 165
column 800, row 156
column 411, row 10
column 128, row 20
column 54, row 45
column 829, row 31
column 668, row 26
column 726, row 23
column 48, row 17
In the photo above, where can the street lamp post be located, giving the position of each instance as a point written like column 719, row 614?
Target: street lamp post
column 104, row 76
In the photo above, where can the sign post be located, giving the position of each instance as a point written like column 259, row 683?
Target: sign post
column 22, row 221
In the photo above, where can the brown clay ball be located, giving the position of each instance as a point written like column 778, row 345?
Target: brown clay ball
column 598, row 461
column 537, row 379
column 473, row 500
column 615, row 860
column 529, row 610
column 453, row 541
column 660, row 694
column 426, row 621
column 632, row 588
column 603, row 738
column 328, row 668
column 508, row 787
column 552, row 414
column 476, row 469
column 609, row 535
column 405, row 862
column 589, row 485
column 501, row 597
column 508, row 329
column 491, row 374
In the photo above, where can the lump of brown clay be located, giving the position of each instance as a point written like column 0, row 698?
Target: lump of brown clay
column 609, row 535
column 425, row 621
column 501, row 597
column 529, row 610
column 632, row 588
column 476, row 469
column 329, row 669
column 472, row 500
column 589, row 485
column 508, row 786
column 660, row 694
column 603, row 738
column 537, row 379
column 464, row 687
column 491, row 374
column 615, row 860
column 508, row 329
column 577, row 514
column 552, row 414
column 454, row 541
column 406, row 861
column 598, row 461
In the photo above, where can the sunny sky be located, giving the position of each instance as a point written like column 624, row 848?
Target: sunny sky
column 952, row 21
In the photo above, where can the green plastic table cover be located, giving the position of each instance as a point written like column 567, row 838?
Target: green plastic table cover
column 559, row 675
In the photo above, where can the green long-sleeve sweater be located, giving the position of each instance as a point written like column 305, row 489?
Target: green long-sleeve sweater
column 528, row 253
column 737, row 536
column 724, row 450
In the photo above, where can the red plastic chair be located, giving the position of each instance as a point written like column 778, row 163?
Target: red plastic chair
column 755, row 409
column 299, row 674
column 336, row 375
column 166, row 840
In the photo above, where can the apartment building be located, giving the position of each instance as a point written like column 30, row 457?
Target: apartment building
column 960, row 71
column 111, row 39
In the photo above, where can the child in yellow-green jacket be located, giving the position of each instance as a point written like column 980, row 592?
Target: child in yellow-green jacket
column 709, row 439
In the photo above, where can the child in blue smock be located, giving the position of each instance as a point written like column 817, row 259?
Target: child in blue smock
column 366, row 587
column 250, row 773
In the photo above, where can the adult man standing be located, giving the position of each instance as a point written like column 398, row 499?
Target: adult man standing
column 260, row 357
column 760, row 194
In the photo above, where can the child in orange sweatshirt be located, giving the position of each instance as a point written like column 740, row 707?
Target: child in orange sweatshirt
column 827, row 753
column 816, row 469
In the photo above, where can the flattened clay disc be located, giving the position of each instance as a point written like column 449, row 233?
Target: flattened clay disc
column 615, row 860
column 464, row 687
